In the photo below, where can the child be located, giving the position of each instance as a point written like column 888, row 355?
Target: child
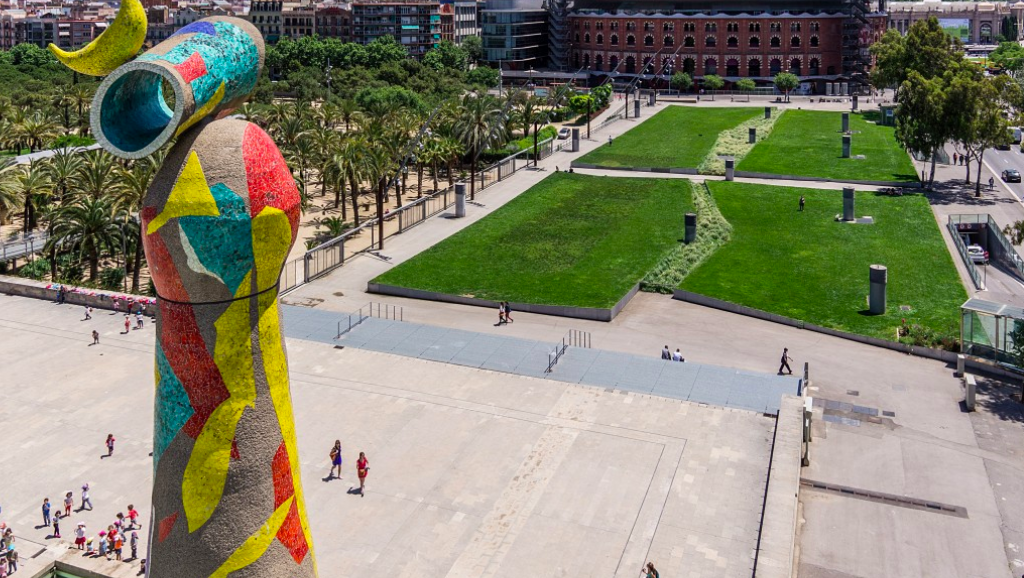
column 103, row 544
column 127, row 324
column 56, row 524
column 46, row 511
column 135, row 545
column 138, row 319
column 133, row 516
column 89, row 548
column 80, row 536
column 85, row 497
column 118, row 546
column 69, row 501
column 110, row 441
column 121, row 523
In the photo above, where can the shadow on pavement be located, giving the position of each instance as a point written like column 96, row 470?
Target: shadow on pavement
column 959, row 193
column 1001, row 398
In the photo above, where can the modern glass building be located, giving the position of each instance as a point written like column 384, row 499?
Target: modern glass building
column 514, row 33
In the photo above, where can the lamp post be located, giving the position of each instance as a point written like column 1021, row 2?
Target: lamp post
column 405, row 175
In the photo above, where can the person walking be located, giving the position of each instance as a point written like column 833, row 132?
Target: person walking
column 803, row 201
column 69, row 502
column 12, row 558
column 335, row 459
column 85, row 498
column 110, row 442
column 46, row 511
column 785, row 361
column 991, row 183
column 138, row 319
column 95, row 337
column 501, row 313
column 133, row 517
column 609, row 140
column 649, row 571
column 508, row 313
column 677, row 356
column 954, row 158
column 362, row 468
column 56, row 523
column 666, row 354
column 88, row 313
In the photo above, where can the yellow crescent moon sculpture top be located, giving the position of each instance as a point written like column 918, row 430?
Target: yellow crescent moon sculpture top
column 115, row 46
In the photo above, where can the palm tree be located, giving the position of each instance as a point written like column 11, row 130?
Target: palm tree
column 348, row 111
column 452, row 151
column 82, row 95
column 61, row 168
column 98, row 176
column 10, row 197
column 32, row 185
column 61, row 100
column 350, row 163
column 377, row 164
column 128, row 201
column 89, row 226
column 433, row 152
column 478, row 128
column 36, row 130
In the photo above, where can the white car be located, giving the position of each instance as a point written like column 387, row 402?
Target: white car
column 977, row 254
column 563, row 133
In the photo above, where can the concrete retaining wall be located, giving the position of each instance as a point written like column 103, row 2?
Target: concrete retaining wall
column 753, row 175
column 589, row 313
column 777, row 539
column 577, row 165
column 22, row 287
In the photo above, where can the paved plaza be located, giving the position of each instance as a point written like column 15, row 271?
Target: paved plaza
column 473, row 472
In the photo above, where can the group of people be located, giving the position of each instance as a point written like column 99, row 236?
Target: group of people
column 362, row 466
column 959, row 159
column 139, row 321
column 667, row 355
column 504, row 313
column 8, row 553
column 106, row 543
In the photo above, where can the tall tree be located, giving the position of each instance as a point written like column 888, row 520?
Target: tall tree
column 926, row 49
column 921, row 117
column 975, row 108
column 786, row 82
column 479, row 127
column 88, row 226
column 32, row 185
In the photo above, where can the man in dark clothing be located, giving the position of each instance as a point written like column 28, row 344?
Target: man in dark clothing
column 785, row 361
column 802, row 202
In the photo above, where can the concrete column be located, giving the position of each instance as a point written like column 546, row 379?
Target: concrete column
column 970, row 389
column 844, row 88
column 848, row 204
column 636, row 108
column 828, row 89
column 653, row 98
column 878, row 276
column 767, row 112
column 575, row 140
column 730, row 169
column 853, row 105
column 961, row 361
column 460, row 200
column 846, row 122
column 847, row 141
column 691, row 228
column 752, row 135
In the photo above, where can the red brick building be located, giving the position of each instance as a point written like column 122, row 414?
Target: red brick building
column 813, row 44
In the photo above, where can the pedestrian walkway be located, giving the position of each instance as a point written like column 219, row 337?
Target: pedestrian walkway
column 694, row 382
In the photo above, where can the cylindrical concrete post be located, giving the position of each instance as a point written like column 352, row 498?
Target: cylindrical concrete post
column 961, row 361
column 848, row 206
column 752, row 135
column 878, row 276
column 730, row 169
column 691, row 228
column 828, row 89
column 575, row 140
column 653, row 98
column 846, row 122
column 853, row 105
column 460, row 200
column 847, row 141
column 767, row 112
column 636, row 109
column 844, row 88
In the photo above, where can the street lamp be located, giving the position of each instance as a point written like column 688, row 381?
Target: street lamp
column 590, row 102
column 405, row 175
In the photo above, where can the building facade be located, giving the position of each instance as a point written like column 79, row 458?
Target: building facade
column 458, row 20
column 66, row 34
column 812, row 44
column 416, row 25
column 514, row 33
column 971, row 22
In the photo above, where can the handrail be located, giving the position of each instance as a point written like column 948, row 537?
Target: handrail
column 972, row 270
column 574, row 338
column 372, row 309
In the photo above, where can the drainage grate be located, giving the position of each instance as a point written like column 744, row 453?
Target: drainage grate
column 853, row 392
column 891, row 499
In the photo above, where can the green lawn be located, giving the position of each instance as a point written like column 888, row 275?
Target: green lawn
column 572, row 239
column 809, row 144
column 806, row 266
column 677, row 137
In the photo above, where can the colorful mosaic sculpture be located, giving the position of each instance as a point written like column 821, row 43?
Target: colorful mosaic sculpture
column 217, row 223
column 113, row 47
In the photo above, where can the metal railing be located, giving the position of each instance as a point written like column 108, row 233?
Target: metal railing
column 954, row 220
column 332, row 254
column 371, row 309
column 1008, row 254
column 22, row 245
column 574, row 338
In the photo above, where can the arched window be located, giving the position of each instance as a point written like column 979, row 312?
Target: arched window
column 600, row 38
column 754, row 67
column 630, row 40
column 755, row 41
column 586, row 38
column 732, row 42
column 732, row 67
column 774, row 67
column 576, row 59
column 710, row 66
column 648, row 40
column 710, row 27
column 814, row 41
column 794, row 42
column 794, row 27
column 776, row 42
column 586, row 61
column 689, row 42
column 669, row 41
column 815, row 26
column 689, row 66
column 613, row 63
column 577, row 38
column 812, row 67
column 755, row 27
column 710, row 41
column 615, row 40
column 794, row 66
column 630, row 65
column 598, row 63
column 986, row 33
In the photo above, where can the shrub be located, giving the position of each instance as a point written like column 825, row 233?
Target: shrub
column 36, row 269
column 735, row 143
column 69, row 269
column 71, row 140
column 112, row 278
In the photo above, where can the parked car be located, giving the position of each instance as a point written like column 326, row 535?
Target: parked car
column 1011, row 176
column 564, row 132
column 977, row 254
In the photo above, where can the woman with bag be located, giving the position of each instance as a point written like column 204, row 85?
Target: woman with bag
column 335, row 459
column 362, row 468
